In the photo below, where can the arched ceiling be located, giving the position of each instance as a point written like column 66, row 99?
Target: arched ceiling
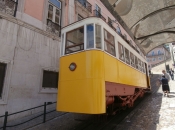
column 152, row 22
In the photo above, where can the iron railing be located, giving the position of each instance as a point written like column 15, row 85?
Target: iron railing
column 45, row 112
column 8, row 7
column 110, row 24
column 98, row 14
column 53, row 27
column 86, row 4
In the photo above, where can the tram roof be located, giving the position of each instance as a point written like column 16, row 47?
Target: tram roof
column 151, row 22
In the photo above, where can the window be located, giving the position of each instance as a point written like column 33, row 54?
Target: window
column 139, row 64
column 136, row 63
column 160, row 58
column 50, row 79
column 127, row 56
column 54, row 11
column 109, row 43
column 75, row 40
column 159, row 52
column 130, row 42
column 98, row 8
column 132, row 58
column 118, row 30
column 54, row 15
column 98, row 36
column 83, row 2
column 142, row 66
column 121, row 52
column 2, row 77
column 90, row 36
column 125, row 36
column 153, row 53
column 98, row 11
column 109, row 22
column 80, row 17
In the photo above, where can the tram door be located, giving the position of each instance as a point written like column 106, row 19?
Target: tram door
column 147, row 75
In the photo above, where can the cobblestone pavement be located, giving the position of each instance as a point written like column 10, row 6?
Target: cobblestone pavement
column 156, row 113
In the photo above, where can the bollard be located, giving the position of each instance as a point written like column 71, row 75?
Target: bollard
column 44, row 117
column 5, row 120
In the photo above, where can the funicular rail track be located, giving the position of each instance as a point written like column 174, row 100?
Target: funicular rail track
column 104, row 122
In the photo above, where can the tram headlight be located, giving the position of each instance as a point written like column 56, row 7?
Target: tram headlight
column 72, row 66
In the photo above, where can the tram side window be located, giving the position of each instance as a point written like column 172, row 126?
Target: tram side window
column 139, row 64
column 109, row 43
column 75, row 40
column 98, row 36
column 90, row 36
column 142, row 66
column 121, row 52
column 127, row 56
column 132, row 59
column 136, row 62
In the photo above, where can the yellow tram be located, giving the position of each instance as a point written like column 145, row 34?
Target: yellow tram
column 98, row 68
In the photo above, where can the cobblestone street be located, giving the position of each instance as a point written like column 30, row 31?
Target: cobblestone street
column 156, row 113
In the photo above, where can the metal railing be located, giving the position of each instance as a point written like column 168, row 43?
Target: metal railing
column 110, row 24
column 86, row 4
column 8, row 7
column 98, row 14
column 43, row 121
column 53, row 27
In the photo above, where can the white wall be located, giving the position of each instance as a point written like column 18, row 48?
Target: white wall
column 26, row 53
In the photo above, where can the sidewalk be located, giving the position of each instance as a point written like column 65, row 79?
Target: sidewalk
column 156, row 113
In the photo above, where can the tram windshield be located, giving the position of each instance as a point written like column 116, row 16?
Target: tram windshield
column 75, row 40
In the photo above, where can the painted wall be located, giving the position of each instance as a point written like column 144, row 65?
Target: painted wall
column 34, row 8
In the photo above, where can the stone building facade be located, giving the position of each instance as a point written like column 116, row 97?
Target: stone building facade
column 157, row 56
column 29, row 53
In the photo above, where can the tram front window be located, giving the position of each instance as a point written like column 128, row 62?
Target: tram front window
column 75, row 40
column 90, row 36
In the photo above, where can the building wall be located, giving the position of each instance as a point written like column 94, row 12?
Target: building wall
column 27, row 53
column 156, row 56
column 34, row 8
column 27, row 49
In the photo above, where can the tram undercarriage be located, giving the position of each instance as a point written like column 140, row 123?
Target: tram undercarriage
column 121, row 101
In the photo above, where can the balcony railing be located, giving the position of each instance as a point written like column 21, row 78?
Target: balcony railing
column 8, row 7
column 53, row 27
column 98, row 14
column 110, row 24
column 86, row 4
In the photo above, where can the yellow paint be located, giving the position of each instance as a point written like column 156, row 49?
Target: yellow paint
column 83, row 90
